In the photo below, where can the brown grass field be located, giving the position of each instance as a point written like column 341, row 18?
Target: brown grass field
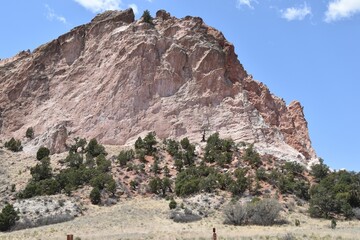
column 146, row 218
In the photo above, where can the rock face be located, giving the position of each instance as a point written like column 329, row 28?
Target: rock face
column 116, row 78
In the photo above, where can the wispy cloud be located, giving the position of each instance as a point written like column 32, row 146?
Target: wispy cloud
column 339, row 9
column 51, row 15
column 100, row 5
column 294, row 13
column 134, row 8
column 247, row 3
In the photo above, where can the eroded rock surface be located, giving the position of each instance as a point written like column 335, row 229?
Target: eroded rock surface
column 116, row 78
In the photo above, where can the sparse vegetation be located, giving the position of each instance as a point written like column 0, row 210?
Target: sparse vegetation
column 95, row 196
column 43, row 152
column 45, row 182
column 263, row 212
column 218, row 150
column 289, row 179
column 252, row 157
column 333, row 223
column 193, row 179
column 337, row 193
column 125, row 156
column 333, row 195
column 147, row 17
column 14, row 145
column 41, row 182
column 80, row 143
column 42, row 170
column 158, row 185
column 241, row 183
column 293, row 168
column 172, row 204
column 146, row 146
column 29, row 133
column 8, row 217
column 319, row 171
column 95, row 149
column 134, row 184
column 183, row 152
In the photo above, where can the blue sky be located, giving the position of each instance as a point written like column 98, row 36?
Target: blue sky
column 303, row 50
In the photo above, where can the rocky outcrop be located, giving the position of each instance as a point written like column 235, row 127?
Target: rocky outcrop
column 290, row 120
column 116, row 78
column 47, row 210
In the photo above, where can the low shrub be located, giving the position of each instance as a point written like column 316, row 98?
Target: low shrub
column 184, row 216
column 333, row 223
column 42, row 153
column 146, row 146
column 263, row 212
column 194, row 179
column 80, row 143
column 252, row 157
column 155, row 185
column 337, row 193
column 241, row 183
column 95, row 196
column 26, row 223
column 293, row 168
column 172, row 147
column 235, row 214
column 74, row 160
column 261, row 174
column 356, row 212
column 183, row 152
column 41, row 170
column 93, row 172
column 172, row 204
column 319, row 171
column 219, row 150
column 125, row 156
column 95, row 149
column 29, row 133
column 8, row 217
column 103, row 165
column 14, row 145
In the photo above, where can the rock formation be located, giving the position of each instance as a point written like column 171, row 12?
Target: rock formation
column 116, row 78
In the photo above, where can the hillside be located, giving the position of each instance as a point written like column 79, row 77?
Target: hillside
column 136, row 212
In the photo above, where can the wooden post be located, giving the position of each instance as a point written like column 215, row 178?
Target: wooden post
column 70, row 237
column 214, row 234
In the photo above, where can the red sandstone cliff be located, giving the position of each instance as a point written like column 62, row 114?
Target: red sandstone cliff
column 115, row 78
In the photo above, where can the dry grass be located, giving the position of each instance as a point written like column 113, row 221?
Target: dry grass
column 146, row 218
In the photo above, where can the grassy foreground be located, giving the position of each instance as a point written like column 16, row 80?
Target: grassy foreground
column 146, row 218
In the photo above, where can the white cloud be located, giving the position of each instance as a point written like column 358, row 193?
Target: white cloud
column 100, row 5
column 134, row 8
column 338, row 9
column 248, row 3
column 51, row 15
column 293, row 13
